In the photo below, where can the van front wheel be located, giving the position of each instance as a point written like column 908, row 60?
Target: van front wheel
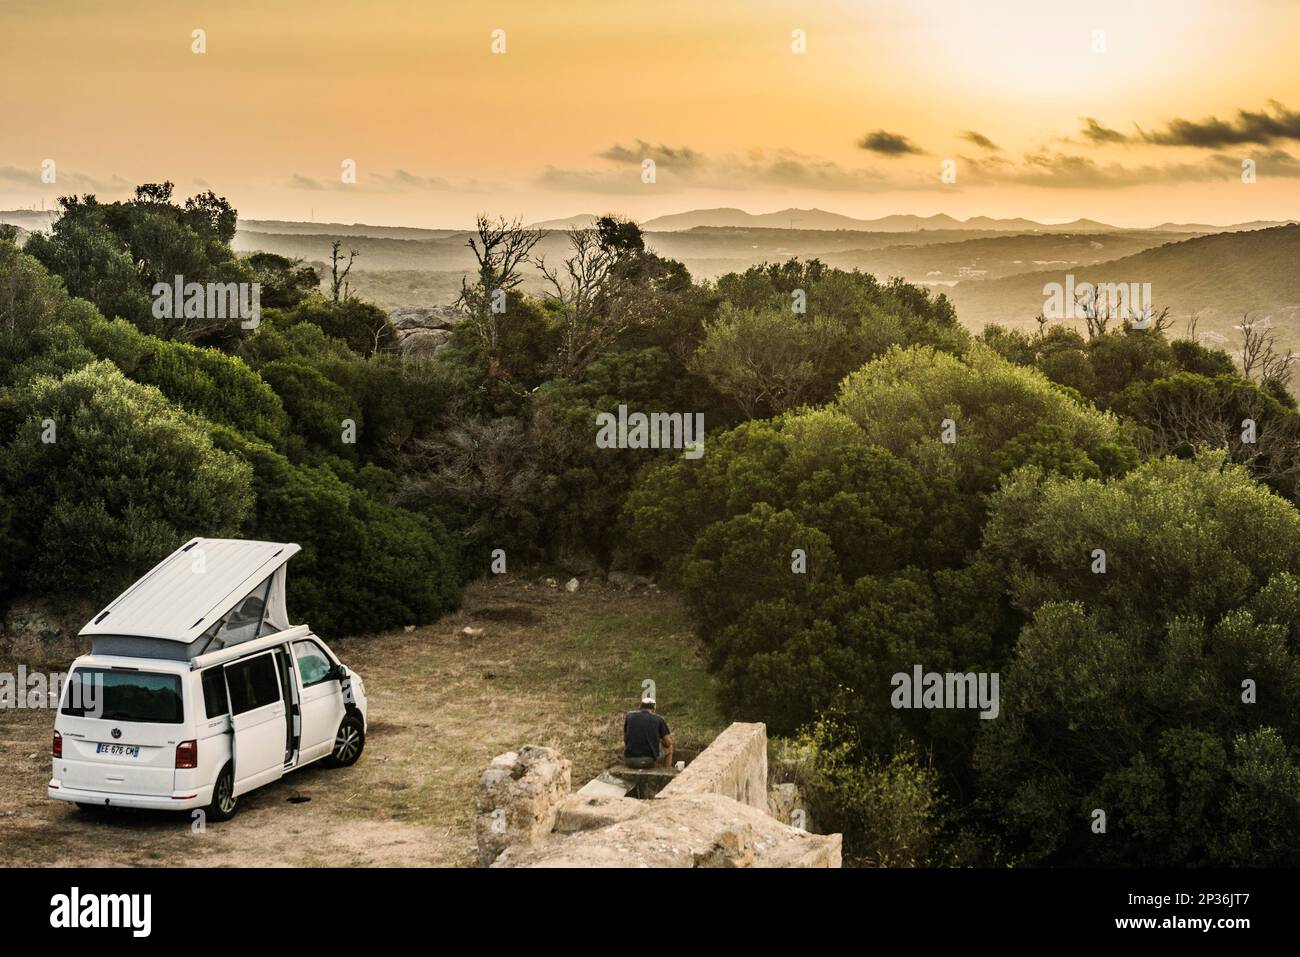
column 223, row 803
column 349, row 742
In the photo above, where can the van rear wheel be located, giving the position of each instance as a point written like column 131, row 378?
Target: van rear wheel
column 224, row 801
column 349, row 742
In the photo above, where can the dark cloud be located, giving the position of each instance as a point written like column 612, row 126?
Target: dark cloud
column 298, row 181
column 1071, row 171
column 1273, row 163
column 888, row 144
column 661, row 154
column 980, row 140
column 401, row 181
column 1278, row 123
column 1101, row 134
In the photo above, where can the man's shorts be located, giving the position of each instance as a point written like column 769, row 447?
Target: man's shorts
column 644, row 762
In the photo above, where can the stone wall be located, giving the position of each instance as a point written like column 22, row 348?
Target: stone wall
column 519, row 797
column 734, row 765
column 715, row 813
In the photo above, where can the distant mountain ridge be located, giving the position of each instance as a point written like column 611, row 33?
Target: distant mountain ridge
column 720, row 218
column 730, row 217
column 32, row 220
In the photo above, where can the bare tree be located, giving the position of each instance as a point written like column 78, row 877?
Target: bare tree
column 1042, row 322
column 1100, row 309
column 1260, row 358
column 501, row 247
column 338, row 280
column 1095, row 309
column 580, row 291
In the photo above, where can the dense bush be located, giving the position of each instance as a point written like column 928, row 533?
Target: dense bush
column 317, row 407
column 890, row 810
column 1187, row 412
column 204, row 380
column 365, row 565
column 885, row 514
column 1125, row 689
column 394, row 401
column 38, row 322
column 131, row 473
column 365, row 328
column 103, row 477
column 113, row 254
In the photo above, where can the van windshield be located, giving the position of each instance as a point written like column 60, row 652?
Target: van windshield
column 124, row 696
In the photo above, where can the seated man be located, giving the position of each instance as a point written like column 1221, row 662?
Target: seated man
column 646, row 740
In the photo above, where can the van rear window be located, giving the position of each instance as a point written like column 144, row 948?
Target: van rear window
column 144, row 696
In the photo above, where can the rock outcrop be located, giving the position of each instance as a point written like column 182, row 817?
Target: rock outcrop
column 519, row 797
column 423, row 330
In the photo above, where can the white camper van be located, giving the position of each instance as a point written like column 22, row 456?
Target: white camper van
column 197, row 689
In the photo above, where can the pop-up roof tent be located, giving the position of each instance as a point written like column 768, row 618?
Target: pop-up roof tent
column 209, row 594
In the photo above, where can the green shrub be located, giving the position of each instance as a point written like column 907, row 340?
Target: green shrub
column 1126, row 690
column 38, row 322
column 890, row 811
column 365, row 328
column 220, row 387
column 366, row 565
column 126, row 478
column 317, row 407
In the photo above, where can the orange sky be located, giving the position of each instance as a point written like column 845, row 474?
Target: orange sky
column 441, row 127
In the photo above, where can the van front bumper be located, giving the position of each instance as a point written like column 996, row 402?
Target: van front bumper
column 177, row 801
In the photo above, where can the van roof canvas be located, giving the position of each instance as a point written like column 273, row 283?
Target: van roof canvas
column 193, row 587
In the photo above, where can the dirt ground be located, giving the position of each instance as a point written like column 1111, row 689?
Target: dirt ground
column 551, row 668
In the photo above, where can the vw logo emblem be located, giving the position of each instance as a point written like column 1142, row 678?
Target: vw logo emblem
column 117, row 732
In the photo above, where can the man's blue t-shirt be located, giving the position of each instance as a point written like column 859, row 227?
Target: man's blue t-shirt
column 642, row 731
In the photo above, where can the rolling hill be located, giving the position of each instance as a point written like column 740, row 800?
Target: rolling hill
column 1217, row 278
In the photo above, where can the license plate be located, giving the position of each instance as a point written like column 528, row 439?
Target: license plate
column 123, row 750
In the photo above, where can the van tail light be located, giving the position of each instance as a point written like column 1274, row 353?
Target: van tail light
column 57, row 749
column 187, row 754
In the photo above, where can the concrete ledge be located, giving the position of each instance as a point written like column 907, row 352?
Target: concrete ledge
column 734, row 765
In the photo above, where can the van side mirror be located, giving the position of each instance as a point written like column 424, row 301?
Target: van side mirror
column 340, row 672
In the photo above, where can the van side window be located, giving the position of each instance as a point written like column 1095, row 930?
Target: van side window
column 253, row 683
column 214, row 693
column 313, row 664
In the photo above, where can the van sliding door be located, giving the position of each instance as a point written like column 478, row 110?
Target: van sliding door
column 257, row 714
